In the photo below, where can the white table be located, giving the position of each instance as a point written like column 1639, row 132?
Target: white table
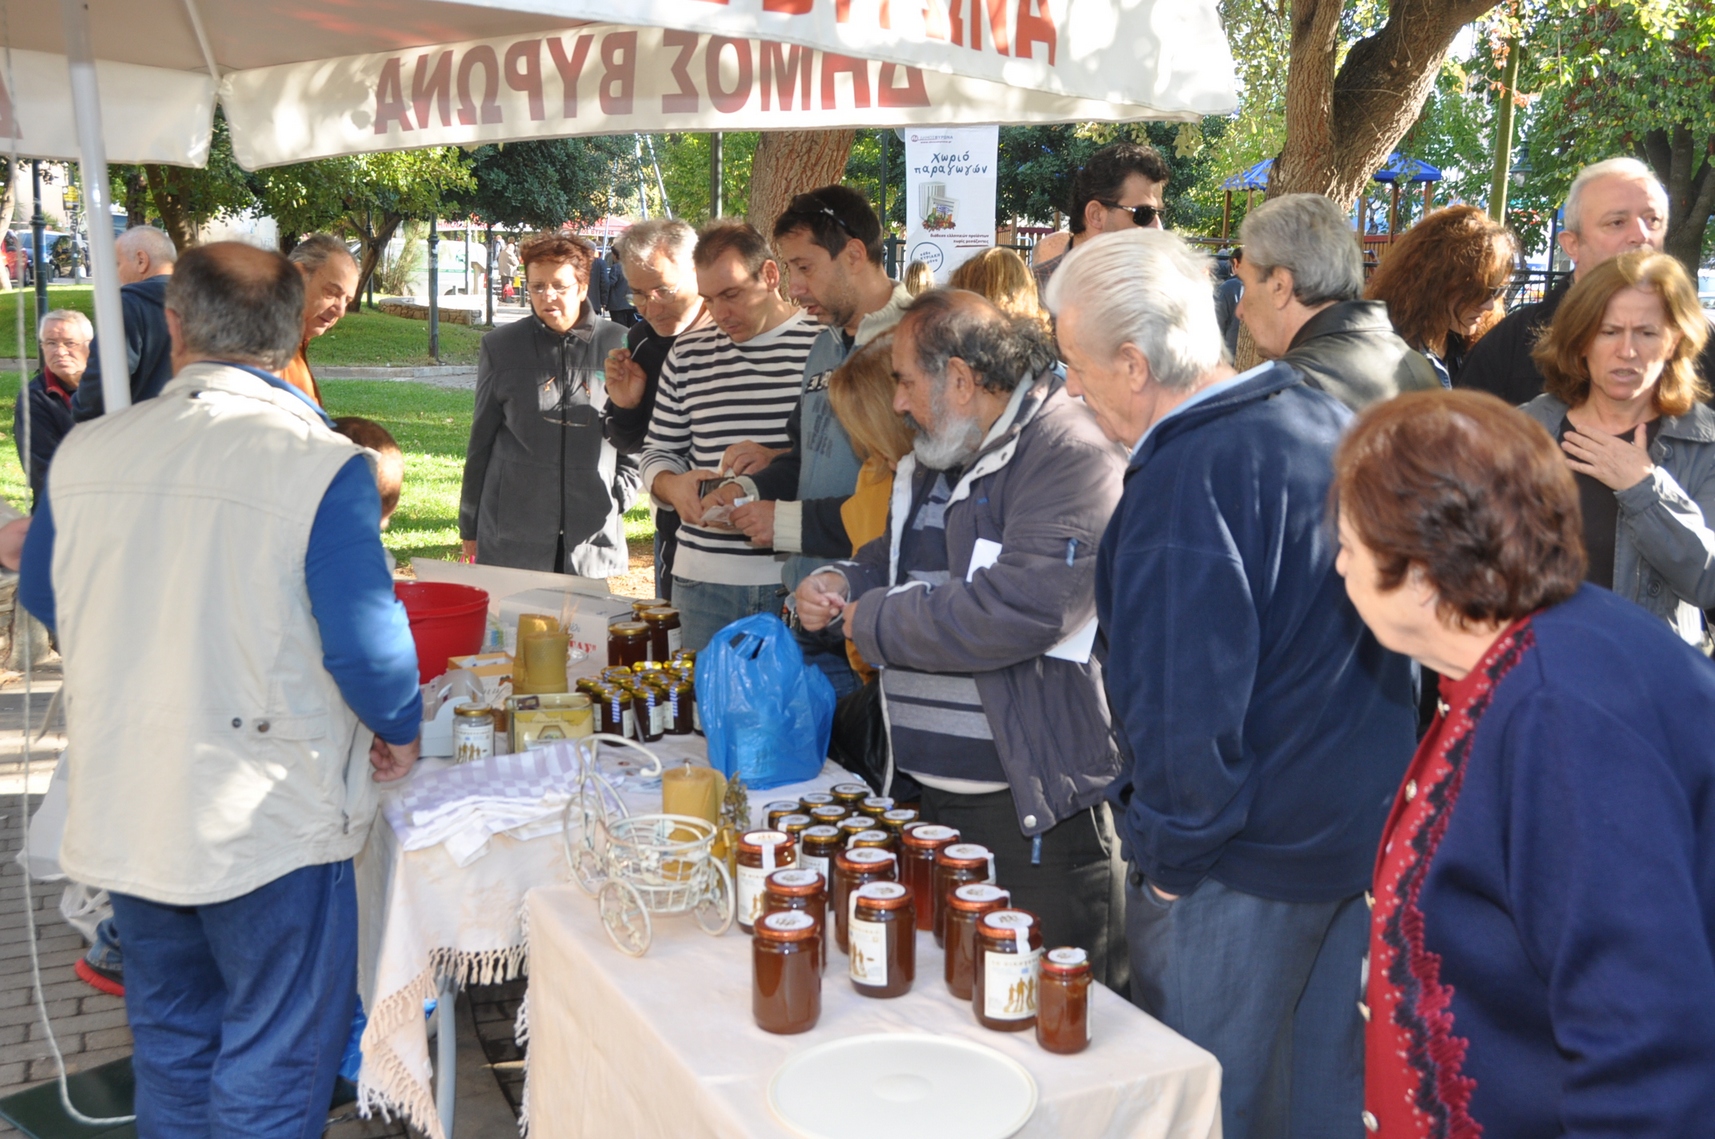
column 427, row 928
column 663, row 1046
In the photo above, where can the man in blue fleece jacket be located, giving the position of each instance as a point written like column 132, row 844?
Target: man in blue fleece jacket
column 1266, row 728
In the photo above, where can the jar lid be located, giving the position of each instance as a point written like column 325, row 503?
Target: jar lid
column 868, row 857
column 816, row 799
column 856, row 823
column 786, row 925
column 899, row 815
column 882, row 895
column 856, row 792
column 870, row 838
column 795, row 883
column 822, row 832
column 657, row 613
column 1067, row 960
column 963, row 854
column 788, row 823
column 644, row 666
column 784, row 805
column 628, row 629
column 975, row 897
column 832, row 811
column 879, row 803
column 472, row 710
column 643, row 603
column 689, row 656
column 1007, row 925
column 754, row 841
column 930, row 835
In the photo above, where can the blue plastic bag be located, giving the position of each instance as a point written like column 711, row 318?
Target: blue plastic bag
column 766, row 713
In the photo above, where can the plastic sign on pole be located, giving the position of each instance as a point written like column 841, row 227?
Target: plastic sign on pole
column 950, row 188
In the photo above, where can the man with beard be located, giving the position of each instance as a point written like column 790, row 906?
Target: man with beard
column 979, row 609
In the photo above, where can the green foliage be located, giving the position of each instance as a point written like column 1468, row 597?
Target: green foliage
column 684, row 160
column 393, row 273
column 863, row 172
column 344, row 192
column 542, row 184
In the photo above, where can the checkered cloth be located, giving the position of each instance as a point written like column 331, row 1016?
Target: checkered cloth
column 520, row 795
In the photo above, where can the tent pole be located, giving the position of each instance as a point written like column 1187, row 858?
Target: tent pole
column 97, row 195
column 435, row 289
column 1226, row 214
column 38, row 241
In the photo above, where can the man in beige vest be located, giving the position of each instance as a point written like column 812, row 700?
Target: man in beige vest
column 237, row 674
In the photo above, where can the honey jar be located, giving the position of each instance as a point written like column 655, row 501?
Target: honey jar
column 1063, row 1001
column 777, row 810
column 683, row 656
column 816, row 799
column 917, row 848
column 794, row 825
column 682, row 707
column 967, row 903
column 664, row 634
column 854, row 824
column 760, row 853
column 883, row 939
column 875, row 806
column 956, row 865
column 613, row 714
column 473, row 733
column 879, row 839
column 896, row 820
column 849, row 795
column 786, row 973
column 617, row 674
column 854, row 868
column 817, row 847
column 1008, row 970
column 799, row 889
column 827, row 814
column 627, row 643
column 643, row 605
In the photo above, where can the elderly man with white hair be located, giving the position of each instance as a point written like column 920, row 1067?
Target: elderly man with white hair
column 1614, row 207
column 65, row 335
column 145, row 256
column 1265, row 727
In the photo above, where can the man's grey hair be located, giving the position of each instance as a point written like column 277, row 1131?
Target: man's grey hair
column 1144, row 287
column 70, row 316
column 1615, row 167
column 1311, row 238
column 151, row 240
column 316, row 250
column 239, row 303
column 1001, row 350
column 647, row 239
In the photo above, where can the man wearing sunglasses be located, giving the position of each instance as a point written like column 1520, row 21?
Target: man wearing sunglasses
column 1121, row 187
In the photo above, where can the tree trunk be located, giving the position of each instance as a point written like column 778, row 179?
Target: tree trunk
column 373, row 238
column 136, row 198
column 1691, row 197
column 787, row 163
column 175, row 219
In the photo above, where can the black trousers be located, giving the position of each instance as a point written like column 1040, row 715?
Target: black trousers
column 1075, row 884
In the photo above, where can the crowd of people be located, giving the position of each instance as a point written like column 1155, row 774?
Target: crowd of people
column 1346, row 708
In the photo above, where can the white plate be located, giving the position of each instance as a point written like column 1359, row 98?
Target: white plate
column 904, row 1086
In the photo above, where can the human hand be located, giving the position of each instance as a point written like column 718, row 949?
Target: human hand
column 12, row 542
column 724, row 495
column 756, row 519
column 821, row 597
column 680, row 492
column 625, row 379
column 851, row 618
column 1613, row 461
column 748, row 457
column 393, row 761
column 469, row 552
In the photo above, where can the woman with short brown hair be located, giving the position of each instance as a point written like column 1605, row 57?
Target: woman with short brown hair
column 1543, row 907
column 1621, row 395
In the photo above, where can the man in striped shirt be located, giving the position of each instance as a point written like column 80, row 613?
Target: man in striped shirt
column 734, row 381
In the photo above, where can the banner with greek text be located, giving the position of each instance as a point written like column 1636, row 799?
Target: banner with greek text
column 950, row 184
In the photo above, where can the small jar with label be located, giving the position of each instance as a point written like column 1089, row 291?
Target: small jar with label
column 855, row 824
column 775, row 811
column 613, row 714
column 799, row 889
column 650, row 704
column 681, row 707
column 588, row 685
column 1008, row 970
column 627, row 643
column 473, row 733
column 883, row 939
column 875, row 806
column 816, row 799
column 664, row 635
column 917, row 849
column 875, row 837
column 967, row 904
column 896, row 820
column 794, row 825
column 817, row 847
column 854, row 868
column 617, row 674
column 1063, row 1001
column 956, row 865
column 684, row 656
column 760, row 853
column 849, row 795
column 643, row 604
column 786, row 973
column 649, row 670
column 828, row 814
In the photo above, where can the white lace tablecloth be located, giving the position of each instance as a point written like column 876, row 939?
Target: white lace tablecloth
column 422, row 918
column 663, row 1046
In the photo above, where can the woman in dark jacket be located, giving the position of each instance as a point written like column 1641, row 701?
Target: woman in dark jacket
column 1542, row 937
column 543, row 490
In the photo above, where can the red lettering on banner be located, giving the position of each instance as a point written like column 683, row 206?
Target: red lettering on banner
column 788, row 7
column 997, row 23
column 430, row 86
column 390, row 99
column 785, row 65
column 480, row 56
column 726, row 101
column 685, row 100
column 570, row 70
column 619, row 77
column 956, row 18
column 524, row 73
column 913, row 94
column 858, row 69
column 1035, row 28
column 935, row 20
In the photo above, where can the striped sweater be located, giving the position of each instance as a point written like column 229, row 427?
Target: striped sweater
column 715, row 393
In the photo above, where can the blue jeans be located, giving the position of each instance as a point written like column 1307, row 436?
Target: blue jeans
column 705, row 608
column 833, row 662
column 1271, row 988
column 241, row 1009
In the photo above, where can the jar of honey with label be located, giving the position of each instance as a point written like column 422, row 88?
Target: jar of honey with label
column 786, row 973
column 760, row 853
column 816, row 799
column 956, row 865
column 896, row 820
column 879, row 839
column 849, row 795
column 917, row 848
column 828, row 814
column 875, row 806
column 627, row 643
column 967, row 903
column 794, row 825
column 1008, row 970
column 883, row 939
column 664, row 635
column 1063, row 1001
column 777, row 810
column 816, row 849
column 854, row 824
column 799, row 889
column 854, row 868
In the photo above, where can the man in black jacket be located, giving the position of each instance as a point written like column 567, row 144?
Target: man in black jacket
column 146, row 256
column 1303, row 275
column 65, row 336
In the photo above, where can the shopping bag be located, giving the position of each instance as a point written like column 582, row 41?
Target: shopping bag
column 766, row 713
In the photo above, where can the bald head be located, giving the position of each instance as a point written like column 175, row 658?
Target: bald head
column 235, row 303
column 143, row 252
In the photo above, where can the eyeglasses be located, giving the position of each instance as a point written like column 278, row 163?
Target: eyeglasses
column 809, row 203
column 549, row 289
column 1144, row 216
column 664, row 293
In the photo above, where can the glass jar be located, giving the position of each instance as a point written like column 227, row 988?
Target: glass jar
column 617, row 674
column 650, row 705
column 777, row 810
column 613, row 714
column 895, row 821
column 473, row 733
column 849, row 795
column 816, row 799
column 883, row 938
column 817, row 847
column 854, row 868
column 588, row 685
column 786, row 973
column 649, row 670
column 799, row 889
column 760, row 853
column 681, row 707
column 627, row 643
column 875, row 837
column 1007, row 971
column 917, row 848
column 854, row 824
column 684, row 656
column 954, row 866
column 968, row 903
column 875, row 806
column 828, row 814
column 664, row 635
column 794, row 825
column 1063, row 1001
column 643, row 604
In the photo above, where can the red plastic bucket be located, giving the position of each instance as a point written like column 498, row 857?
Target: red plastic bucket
column 447, row 620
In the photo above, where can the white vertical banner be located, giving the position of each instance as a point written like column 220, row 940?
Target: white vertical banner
column 949, row 195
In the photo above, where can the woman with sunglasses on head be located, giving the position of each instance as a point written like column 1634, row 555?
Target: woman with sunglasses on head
column 1443, row 284
column 543, row 490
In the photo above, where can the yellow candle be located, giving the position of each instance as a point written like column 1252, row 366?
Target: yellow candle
column 544, row 657
column 694, row 791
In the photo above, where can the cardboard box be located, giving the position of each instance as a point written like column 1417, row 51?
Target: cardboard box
column 588, row 627
column 492, row 669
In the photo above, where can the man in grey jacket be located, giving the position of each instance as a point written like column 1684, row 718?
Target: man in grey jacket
column 979, row 608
